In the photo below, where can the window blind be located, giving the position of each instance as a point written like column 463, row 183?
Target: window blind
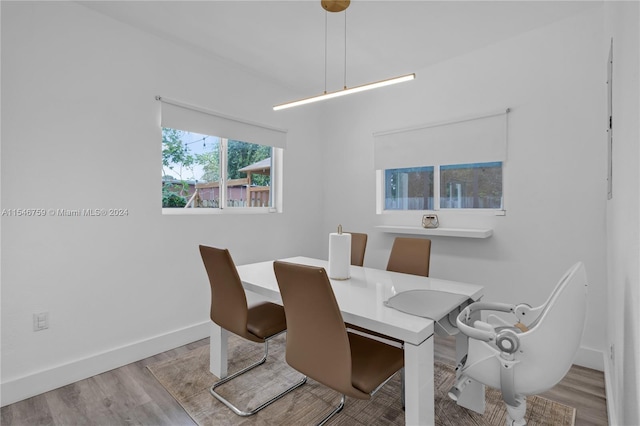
column 480, row 139
column 177, row 115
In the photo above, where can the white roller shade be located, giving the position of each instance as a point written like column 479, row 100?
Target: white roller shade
column 474, row 140
column 185, row 117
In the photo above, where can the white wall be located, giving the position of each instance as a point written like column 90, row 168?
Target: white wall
column 555, row 177
column 80, row 129
column 622, row 22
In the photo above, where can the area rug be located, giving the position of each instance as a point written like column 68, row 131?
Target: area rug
column 187, row 379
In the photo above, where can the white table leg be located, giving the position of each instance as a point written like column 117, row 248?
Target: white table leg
column 218, row 351
column 418, row 383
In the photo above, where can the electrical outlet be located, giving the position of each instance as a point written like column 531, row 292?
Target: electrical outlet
column 611, row 351
column 40, row 321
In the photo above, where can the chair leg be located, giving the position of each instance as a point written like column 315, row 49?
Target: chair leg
column 515, row 415
column 334, row 412
column 227, row 379
column 456, row 390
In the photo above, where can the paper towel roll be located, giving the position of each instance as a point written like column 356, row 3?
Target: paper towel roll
column 339, row 256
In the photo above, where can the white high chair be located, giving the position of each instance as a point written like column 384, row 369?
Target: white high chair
column 531, row 356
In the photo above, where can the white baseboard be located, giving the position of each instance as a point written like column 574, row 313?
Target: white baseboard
column 590, row 358
column 43, row 381
column 608, row 388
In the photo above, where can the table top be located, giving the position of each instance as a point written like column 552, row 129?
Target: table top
column 361, row 298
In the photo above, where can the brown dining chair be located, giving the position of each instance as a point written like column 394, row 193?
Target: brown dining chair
column 410, row 256
column 358, row 247
column 318, row 344
column 258, row 323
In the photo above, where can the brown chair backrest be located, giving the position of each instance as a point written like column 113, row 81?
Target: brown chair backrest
column 228, row 300
column 317, row 341
column 358, row 247
column 410, row 256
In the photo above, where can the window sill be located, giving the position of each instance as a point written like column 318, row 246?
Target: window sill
column 442, row 232
column 213, row 211
column 477, row 212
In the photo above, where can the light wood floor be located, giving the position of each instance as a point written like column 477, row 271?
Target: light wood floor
column 130, row 395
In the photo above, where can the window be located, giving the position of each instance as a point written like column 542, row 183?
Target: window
column 451, row 165
column 462, row 186
column 408, row 189
column 203, row 171
column 213, row 162
column 471, row 186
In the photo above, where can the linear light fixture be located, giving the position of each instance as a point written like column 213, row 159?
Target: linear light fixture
column 340, row 6
column 338, row 93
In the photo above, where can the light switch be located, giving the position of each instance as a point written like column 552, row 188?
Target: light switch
column 40, row 321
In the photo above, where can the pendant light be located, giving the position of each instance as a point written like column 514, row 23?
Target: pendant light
column 340, row 6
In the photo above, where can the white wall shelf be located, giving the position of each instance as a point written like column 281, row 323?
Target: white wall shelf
column 443, row 232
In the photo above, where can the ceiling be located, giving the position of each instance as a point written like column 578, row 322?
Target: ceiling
column 284, row 41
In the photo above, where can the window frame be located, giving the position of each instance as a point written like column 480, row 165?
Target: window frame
column 183, row 116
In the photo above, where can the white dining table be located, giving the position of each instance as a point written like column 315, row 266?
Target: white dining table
column 361, row 299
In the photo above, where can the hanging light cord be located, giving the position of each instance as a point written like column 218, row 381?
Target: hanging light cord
column 345, row 48
column 325, row 51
